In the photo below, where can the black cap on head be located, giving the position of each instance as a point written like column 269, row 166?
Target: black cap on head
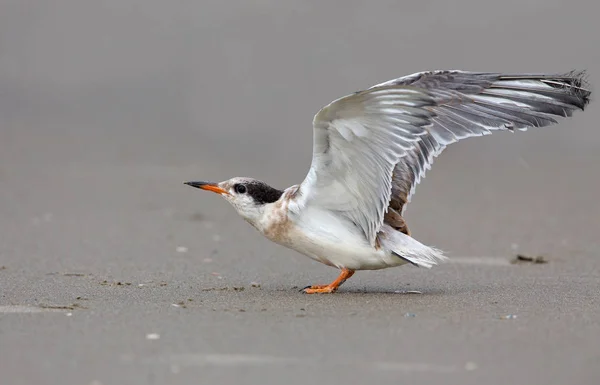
column 261, row 192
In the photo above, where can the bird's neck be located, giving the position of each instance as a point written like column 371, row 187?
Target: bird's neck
column 273, row 222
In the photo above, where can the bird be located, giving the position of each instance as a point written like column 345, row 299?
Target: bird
column 372, row 148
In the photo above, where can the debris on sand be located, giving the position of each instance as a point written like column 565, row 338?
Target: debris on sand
column 234, row 288
column 214, row 288
column 114, row 283
column 408, row 292
column 2, row 267
column 63, row 307
column 181, row 304
column 521, row 258
column 509, row 316
column 254, row 284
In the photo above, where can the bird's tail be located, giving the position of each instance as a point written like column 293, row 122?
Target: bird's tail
column 409, row 249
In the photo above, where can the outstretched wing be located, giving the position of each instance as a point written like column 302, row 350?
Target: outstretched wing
column 471, row 104
column 371, row 148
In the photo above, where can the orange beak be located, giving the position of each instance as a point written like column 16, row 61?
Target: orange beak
column 207, row 186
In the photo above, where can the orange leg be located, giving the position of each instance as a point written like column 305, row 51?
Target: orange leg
column 333, row 286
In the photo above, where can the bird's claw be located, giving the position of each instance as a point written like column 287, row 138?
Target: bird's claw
column 318, row 289
column 333, row 286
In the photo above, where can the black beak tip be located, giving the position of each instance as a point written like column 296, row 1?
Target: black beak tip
column 194, row 184
column 199, row 184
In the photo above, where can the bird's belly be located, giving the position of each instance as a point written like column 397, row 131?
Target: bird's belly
column 335, row 242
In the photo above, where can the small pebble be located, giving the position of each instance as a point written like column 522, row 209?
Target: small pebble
column 216, row 238
column 410, row 315
column 207, row 260
column 254, row 284
column 181, row 249
column 470, row 366
column 69, row 314
column 152, row 336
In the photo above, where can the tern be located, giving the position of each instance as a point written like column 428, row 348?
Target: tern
column 370, row 150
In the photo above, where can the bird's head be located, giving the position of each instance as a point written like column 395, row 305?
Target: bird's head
column 248, row 196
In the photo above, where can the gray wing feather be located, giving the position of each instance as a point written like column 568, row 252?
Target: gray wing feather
column 468, row 104
column 373, row 147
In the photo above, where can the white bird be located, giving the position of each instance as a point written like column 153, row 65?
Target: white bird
column 372, row 148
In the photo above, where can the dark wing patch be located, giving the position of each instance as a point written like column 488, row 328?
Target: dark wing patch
column 395, row 220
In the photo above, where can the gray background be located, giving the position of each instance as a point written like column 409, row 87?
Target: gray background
column 107, row 107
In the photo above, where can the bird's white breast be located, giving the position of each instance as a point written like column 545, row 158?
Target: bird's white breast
column 325, row 237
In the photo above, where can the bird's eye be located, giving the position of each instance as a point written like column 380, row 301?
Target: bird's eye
column 240, row 188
